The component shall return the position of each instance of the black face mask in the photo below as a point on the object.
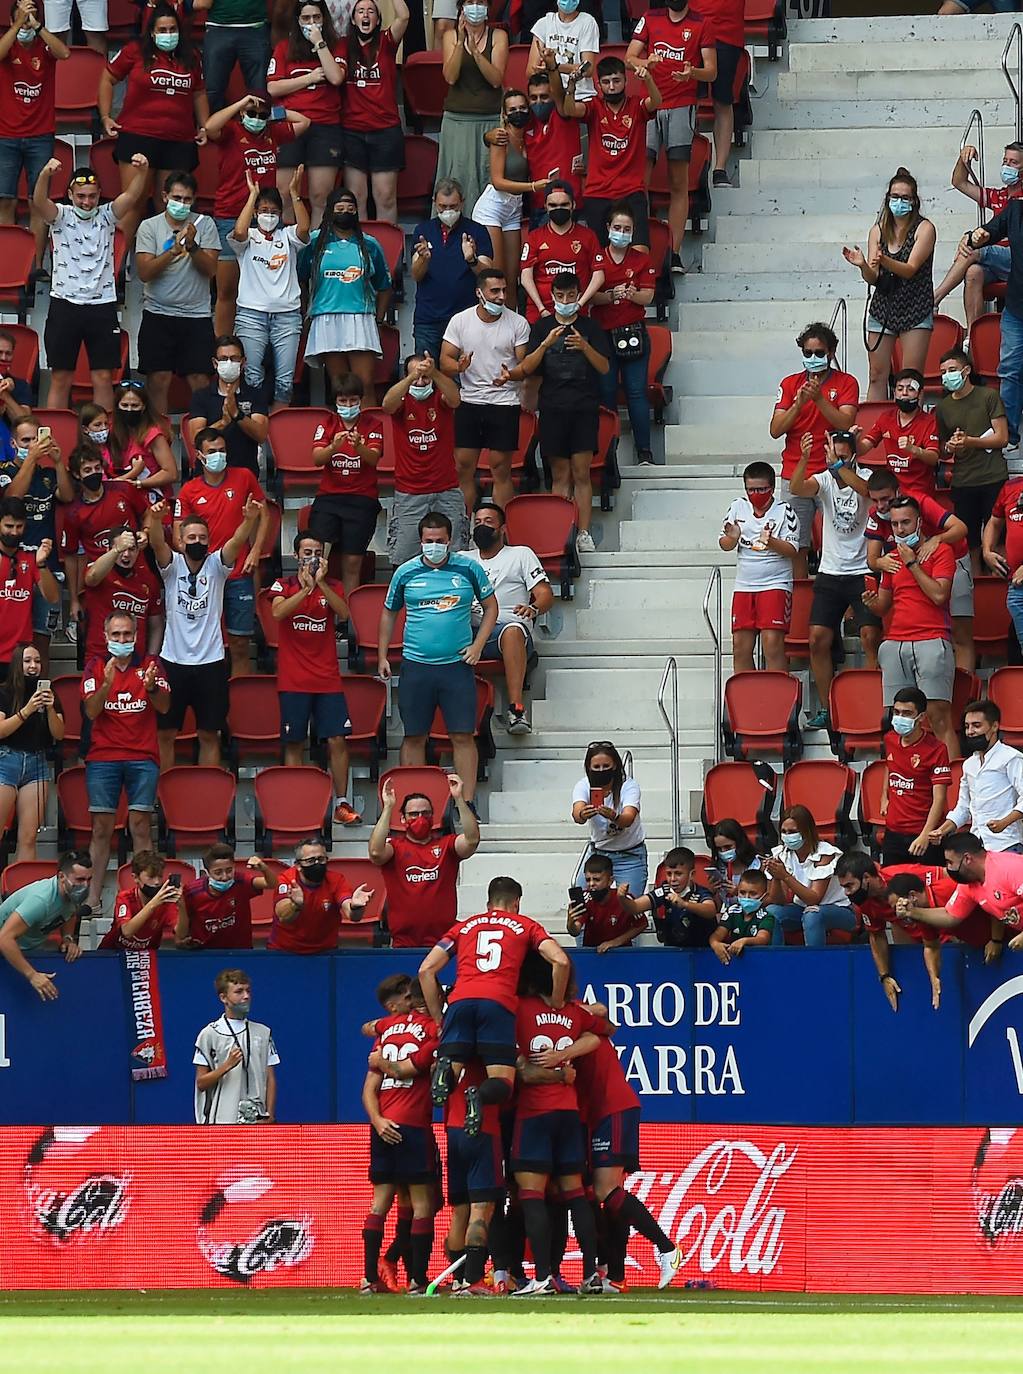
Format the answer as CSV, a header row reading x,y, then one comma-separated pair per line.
x,y
600,777
313,874
975,744
858,897
10,541
616,99
906,406
130,415
196,551
542,109
518,119
599,894
346,219
92,481
957,875
150,892
677,5
561,216
484,537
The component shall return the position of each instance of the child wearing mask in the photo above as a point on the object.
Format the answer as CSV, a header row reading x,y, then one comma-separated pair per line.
x,y
235,1060
601,918
144,911
216,909
744,919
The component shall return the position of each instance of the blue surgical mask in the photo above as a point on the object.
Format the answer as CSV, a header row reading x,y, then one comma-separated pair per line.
x,y
727,856
307,32
99,436
475,14
1010,175
911,540
214,462
899,206
494,308
21,454
815,364
26,36
749,904
421,393
434,552
253,125
952,381
792,841
568,6
222,885
566,309
903,725
619,238
166,42
120,650
177,209
349,412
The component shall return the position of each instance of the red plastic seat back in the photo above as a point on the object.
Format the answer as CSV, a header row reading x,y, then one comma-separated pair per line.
x,y
73,805
367,702
952,796
990,618
293,803
869,807
825,788
759,705
364,607
78,81
966,688
17,255
797,641
196,803
68,693
18,875
385,368
1005,688
391,240
290,435
542,522
660,351
855,709
985,346
734,791
415,182
101,160
26,352
63,427
254,713
432,782
425,89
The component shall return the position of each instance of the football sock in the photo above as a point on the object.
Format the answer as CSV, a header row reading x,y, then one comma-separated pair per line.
x,y
557,1211
630,1209
475,1263
372,1239
538,1229
421,1246
585,1228
399,1246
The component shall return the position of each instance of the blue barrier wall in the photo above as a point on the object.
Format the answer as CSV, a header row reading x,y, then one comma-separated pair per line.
x,y
780,1036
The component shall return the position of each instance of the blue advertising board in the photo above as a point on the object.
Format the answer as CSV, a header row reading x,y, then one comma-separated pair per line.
x,y
780,1036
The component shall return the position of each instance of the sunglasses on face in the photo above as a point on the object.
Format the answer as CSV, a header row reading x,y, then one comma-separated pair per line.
x,y
815,352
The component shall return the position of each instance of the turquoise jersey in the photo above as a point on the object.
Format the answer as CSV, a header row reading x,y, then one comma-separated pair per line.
x,y
437,603
341,284
42,908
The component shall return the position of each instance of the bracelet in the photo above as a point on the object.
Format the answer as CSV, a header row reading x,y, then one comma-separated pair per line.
x,y
319,47
883,976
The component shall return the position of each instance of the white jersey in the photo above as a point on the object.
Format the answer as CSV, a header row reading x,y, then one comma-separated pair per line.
x,y
194,606
760,570
513,572
843,546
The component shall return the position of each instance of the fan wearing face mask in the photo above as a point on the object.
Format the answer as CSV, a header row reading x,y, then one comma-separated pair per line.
x,y
312,902
138,444
146,911
29,916
232,407
347,449
450,249
574,36
908,437
745,921
991,792
607,802
765,532
22,571
557,247
216,910
917,775
122,577
986,880
374,148
475,55
805,894
31,723
99,509
974,429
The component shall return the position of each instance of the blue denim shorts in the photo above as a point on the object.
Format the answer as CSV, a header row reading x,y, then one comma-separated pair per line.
x,y
876,327
16,153
45,615
19,768
996,260
105,781
492,648
224,228
240,607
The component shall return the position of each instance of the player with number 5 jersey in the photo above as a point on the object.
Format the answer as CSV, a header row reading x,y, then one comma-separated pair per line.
x,y
480,1023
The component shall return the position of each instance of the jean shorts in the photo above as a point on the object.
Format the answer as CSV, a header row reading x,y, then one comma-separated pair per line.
x,y
45,614
20,768
492,648
224,228
876,327
240,607
105,781
996,260
16,153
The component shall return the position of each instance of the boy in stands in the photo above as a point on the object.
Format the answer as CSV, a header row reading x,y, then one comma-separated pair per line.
x,y
145,910
600,917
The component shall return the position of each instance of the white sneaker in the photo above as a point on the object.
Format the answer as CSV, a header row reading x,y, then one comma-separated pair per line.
x,y
668,1263
584,542
535,1289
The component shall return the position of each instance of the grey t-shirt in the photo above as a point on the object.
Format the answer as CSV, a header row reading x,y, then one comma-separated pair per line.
x,y
219,1105
180,289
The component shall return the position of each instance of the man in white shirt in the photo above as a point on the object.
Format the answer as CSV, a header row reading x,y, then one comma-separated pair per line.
x,y
575,37
235,1060
766,533
839,584
523,592
193,640
480,346
991,790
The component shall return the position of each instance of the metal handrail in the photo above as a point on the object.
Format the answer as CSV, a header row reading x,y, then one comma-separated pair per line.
x,y
714,626
841,308
1016,87
977,118
671,721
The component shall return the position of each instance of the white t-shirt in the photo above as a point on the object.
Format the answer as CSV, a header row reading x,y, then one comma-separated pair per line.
x,y
492,346
761,570
570,41
843,547
83,256
820,864
601,836
192,634
513,572
269,270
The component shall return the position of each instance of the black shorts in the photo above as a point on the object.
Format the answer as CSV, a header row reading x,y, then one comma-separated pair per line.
x,y
164,154
833,596
564,432
551,1143
493,427
895,850
614,1141
723,86
344,522
375,150
203,686
179,344
973,506
478,1028
475,1167
412,1160
595,212
322,145
425,688
69,326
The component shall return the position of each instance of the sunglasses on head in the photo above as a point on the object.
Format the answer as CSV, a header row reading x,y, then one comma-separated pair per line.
x,y
132,385
84,179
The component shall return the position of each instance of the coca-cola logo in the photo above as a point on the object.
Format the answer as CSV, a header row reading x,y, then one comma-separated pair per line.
x,y
997,1190
98,1204
280,1241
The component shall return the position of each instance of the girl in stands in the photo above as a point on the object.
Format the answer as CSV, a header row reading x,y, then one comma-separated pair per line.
x,y
374,140
165,106
307,70
608,802
30,723
499,208
804,891
899,265
733,854
138,444
475,56
94,433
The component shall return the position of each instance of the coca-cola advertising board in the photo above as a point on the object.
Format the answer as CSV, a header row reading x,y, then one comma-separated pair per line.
x,y
791,1209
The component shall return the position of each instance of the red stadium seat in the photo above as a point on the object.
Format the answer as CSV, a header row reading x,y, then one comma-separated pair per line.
x,y
766,24
547,525
74,822
952,796
196,806
868,810
826,789
207,174
270,557
854,713
366,698
985,345
81,381
392,243
26,354
439,741
263,903
385,368
520,458
990,618
432,782
364,607
63,427
185,870
292,803
68,692
122,20
268,633
947,333
761,715
415,182
25,871
743,793
515,71
17,259
290,436
253,718
362,873
797,641
425,88
966,688
605,460
1005,688
658,394
77,83
101,160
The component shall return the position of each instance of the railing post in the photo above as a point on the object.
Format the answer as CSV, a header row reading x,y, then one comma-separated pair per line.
x,y
977,118
714,626
841,308
670,674
1015,36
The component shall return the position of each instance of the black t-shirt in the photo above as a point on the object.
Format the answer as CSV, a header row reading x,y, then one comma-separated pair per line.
x,y
674,925
1009,225
34,736
242,452
569,382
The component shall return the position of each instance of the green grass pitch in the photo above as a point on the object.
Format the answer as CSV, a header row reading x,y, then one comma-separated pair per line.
x,y
313,1330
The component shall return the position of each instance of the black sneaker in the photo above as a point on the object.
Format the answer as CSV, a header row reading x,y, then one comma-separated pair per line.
x,y
644,458
677,265
721,179
473,1112
442,1080
517,722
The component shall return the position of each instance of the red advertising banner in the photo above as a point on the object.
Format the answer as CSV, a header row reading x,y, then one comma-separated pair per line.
x,y
801,1208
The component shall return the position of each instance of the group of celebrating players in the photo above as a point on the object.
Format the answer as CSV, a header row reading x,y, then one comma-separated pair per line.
x,y
540,1122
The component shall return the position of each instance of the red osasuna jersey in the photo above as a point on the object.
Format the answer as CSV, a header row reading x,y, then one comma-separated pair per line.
x,y
676,42
422,896
158,99
369,97
974,929
839,389
539,1027
409,1035
914,770
636,270
321,104
600,1083
934,516
549,253
346,474
87,524
28,91
125,730
314,929
424,445
726,20
606,920
307,642
488,950
914,615
554,147
126,908
617,163
18,578
242,152
1009,509
914,476
221,505
135,590
221,920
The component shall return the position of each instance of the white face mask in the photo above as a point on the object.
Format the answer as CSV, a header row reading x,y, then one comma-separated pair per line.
x,y
229,369
449,218
268,221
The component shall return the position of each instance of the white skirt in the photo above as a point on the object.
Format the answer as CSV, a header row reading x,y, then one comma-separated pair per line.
x,y
342,333
498,210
